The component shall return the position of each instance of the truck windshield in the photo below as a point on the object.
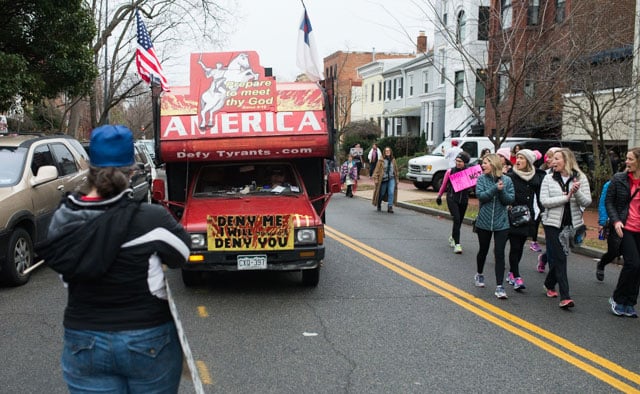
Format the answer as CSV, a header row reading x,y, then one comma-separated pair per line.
x,y
12,160
246,179
441,149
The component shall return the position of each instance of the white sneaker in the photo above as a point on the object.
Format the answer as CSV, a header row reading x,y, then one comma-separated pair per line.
x,y
457,249
500,293
479,280
452,242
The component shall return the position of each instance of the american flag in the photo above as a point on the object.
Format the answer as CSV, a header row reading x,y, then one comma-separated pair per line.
x,y
149,66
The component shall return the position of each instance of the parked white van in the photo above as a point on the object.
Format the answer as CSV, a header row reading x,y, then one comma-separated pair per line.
x,y
428,170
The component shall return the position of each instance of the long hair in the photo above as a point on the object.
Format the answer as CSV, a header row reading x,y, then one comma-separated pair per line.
x,y
570,162
496,164
385,148
108,181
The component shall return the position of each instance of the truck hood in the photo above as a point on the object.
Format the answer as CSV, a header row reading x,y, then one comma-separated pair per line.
x,y
194,218
428,159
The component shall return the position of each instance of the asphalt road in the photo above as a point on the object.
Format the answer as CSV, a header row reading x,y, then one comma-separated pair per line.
x,y
395,312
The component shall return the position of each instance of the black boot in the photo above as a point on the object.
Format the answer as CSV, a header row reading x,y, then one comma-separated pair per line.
x,y
379,208
390,209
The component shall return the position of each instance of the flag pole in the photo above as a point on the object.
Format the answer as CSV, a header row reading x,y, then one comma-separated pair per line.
x,y
156,89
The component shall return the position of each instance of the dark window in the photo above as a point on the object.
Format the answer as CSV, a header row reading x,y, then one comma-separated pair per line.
x,y
64,158
400,86
483,23
388,85
459,89
461,27
533,13
373,88
471,147
506,14
380,91
41,157
481,80
425,76
395,88
560,10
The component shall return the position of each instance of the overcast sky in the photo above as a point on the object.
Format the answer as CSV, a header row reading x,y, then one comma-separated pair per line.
x,y
271,29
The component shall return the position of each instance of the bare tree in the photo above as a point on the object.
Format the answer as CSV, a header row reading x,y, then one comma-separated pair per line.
x,y
601,85
520,65
170,24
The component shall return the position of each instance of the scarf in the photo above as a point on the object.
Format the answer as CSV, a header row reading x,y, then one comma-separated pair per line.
x,y
526,175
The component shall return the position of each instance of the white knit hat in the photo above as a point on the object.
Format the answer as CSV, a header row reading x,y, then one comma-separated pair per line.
x,y
528,155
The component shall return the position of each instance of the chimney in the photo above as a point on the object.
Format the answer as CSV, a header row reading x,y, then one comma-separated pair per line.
x,y
421,47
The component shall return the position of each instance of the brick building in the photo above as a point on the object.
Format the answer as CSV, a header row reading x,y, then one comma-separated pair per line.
x,y
341,76
535,48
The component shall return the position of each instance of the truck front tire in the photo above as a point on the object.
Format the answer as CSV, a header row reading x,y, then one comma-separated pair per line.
x,y
420,185
311,277
437,181
191,278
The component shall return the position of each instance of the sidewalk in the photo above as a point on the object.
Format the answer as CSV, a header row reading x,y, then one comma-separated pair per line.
x,y
407,193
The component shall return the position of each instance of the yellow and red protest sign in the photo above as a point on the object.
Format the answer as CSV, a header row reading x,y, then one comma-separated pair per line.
x,y
250,232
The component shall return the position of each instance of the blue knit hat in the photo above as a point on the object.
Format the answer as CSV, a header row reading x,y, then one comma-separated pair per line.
x,y
111,146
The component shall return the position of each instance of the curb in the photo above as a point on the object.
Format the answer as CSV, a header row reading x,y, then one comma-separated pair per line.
x,y
583,250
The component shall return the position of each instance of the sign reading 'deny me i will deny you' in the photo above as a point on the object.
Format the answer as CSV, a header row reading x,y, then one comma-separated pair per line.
x,y
250,232
466,178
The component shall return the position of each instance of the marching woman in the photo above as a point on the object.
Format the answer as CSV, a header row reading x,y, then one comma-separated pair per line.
x,y
564,194
349,175
119,334
623,208
385,177
456,201
526,183
495,193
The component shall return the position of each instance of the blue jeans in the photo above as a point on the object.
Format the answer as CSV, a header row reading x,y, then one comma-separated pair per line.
x,y
136,361
389,186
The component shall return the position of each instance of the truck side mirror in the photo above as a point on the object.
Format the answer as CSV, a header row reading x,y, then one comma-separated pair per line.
x,y
158,189
334,182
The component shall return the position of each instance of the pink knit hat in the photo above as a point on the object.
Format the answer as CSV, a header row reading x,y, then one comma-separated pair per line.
x,y
538,154
504,152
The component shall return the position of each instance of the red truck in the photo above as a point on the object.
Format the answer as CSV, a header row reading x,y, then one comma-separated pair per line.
x,y
245,167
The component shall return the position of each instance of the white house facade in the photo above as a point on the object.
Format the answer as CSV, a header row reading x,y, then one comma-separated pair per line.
x,y
460,57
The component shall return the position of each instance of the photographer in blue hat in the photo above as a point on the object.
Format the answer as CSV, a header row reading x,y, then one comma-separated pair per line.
x,y
109,250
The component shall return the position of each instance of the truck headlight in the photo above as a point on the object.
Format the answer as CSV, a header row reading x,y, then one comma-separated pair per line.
x,y
198,241
428,167
305,236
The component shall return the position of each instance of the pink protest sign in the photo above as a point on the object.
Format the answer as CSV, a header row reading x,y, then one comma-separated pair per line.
x,y
464,179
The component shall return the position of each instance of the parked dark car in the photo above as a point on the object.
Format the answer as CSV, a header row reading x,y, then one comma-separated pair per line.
x,y
142,173
582,151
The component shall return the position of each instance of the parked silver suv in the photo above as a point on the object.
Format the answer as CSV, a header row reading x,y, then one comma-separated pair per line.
x,y
35,173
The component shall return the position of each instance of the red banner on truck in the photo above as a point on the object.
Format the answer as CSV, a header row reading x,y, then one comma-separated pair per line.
x,y
230,98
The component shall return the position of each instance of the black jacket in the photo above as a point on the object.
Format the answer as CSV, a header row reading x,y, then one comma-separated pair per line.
x,y
110,253
618,198
524,193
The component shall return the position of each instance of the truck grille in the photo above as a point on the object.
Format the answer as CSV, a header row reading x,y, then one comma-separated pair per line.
x,y
414,168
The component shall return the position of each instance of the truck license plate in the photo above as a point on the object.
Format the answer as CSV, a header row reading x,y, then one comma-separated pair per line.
x,y
258,262
419,179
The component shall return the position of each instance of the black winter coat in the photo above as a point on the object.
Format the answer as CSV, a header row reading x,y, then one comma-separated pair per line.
x,y
618,198
110,252
525,192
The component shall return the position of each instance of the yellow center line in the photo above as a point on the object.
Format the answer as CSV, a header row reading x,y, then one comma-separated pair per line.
x,y
202,311
491,313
